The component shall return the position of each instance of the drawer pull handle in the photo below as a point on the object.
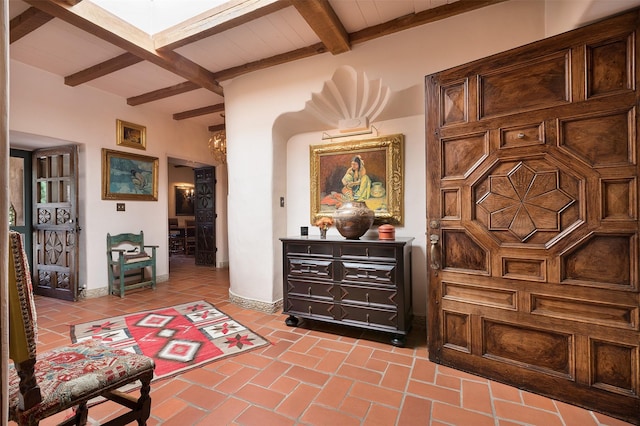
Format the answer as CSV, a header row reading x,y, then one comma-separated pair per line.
x,y
308,249
367,318
309,291
367,297
367,250
309,310
520,135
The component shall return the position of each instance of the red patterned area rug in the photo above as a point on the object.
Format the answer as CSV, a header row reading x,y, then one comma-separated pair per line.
x,y
178,338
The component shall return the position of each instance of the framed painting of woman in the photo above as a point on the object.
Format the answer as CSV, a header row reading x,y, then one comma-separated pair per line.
x,y
369,170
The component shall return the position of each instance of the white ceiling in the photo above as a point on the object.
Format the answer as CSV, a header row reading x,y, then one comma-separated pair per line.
x,y
63,49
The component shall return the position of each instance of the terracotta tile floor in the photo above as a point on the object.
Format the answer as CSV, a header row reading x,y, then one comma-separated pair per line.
x,y
310,375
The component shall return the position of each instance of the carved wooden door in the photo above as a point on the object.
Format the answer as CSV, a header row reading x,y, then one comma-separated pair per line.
x,y
205,212
55,222
532,211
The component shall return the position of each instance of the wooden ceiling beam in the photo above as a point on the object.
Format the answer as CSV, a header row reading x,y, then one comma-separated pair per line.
x,y
216,127
416,19
215,21
325,23
282,58
93,19
166,92
211,109
28,21
102,69
229,73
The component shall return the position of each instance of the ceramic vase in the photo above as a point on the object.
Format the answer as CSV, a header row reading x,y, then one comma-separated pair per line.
x,y
353,219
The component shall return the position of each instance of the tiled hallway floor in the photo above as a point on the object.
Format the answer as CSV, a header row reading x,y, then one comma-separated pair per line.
x,y
309,375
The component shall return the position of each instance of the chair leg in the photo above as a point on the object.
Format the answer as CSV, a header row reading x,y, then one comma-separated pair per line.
x,y
153,276
111,278
82,413
121,281
144,402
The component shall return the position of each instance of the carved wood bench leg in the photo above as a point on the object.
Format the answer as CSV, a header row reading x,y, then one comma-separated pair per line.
x,y
82,413
144,402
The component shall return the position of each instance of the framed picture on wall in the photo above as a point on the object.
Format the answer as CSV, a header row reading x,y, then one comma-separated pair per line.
x,y
127,176
369,170
131,135
184,200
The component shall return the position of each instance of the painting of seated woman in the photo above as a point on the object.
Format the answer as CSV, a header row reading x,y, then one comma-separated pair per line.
x,y
362,170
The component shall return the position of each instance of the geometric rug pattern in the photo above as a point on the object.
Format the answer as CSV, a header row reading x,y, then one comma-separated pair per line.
x,y
178,338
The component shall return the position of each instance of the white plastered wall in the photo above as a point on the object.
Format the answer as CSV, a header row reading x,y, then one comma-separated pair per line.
x,y
269,159
45,112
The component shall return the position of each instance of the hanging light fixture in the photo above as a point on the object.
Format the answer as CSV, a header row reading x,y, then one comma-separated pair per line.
x,y
218,146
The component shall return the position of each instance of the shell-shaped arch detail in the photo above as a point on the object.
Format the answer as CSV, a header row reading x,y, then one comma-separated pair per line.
x,y
348,100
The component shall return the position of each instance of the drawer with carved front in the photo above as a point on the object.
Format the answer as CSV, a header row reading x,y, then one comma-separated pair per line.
x,y
369,316
369,296
310,249
312,289
310,308
370,273
377,252
310,268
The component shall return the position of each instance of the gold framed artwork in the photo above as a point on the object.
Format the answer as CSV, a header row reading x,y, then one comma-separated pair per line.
x,y
127,176
131,135
369,170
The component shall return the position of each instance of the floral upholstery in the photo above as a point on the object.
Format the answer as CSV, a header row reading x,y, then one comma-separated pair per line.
x,y
68,376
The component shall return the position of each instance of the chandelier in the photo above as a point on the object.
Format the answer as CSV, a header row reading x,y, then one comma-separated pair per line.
x,y
218,146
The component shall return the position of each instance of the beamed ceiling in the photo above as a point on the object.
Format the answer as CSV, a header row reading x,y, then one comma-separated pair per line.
x,y
179,69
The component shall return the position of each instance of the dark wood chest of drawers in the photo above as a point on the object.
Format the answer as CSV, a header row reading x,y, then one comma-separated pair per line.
x,y
361,283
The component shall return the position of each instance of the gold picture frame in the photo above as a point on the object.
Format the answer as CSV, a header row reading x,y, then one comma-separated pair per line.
x,y
131,135
127,176
383,188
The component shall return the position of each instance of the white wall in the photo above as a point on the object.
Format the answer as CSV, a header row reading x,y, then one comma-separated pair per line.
x,y
298,208
45,112
258,149
265,160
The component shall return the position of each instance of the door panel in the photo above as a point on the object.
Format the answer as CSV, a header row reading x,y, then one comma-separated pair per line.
x,y
20,195
532,207
205,212
55,222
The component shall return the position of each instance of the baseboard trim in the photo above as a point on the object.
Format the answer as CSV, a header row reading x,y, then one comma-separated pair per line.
x,y
104,291
256,305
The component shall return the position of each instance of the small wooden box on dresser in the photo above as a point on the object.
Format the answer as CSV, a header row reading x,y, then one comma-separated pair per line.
x,y
364,283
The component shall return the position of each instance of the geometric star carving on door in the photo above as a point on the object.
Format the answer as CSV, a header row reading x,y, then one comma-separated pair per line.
x,y
53,248
524,201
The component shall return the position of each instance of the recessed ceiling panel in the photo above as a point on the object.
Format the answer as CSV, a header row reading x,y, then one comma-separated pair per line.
x,y
62,49
280,32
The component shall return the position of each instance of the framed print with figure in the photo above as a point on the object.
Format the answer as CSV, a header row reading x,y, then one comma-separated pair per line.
x,y
127,176
131,135
368,170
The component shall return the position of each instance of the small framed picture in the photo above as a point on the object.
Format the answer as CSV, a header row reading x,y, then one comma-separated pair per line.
x,y
131,135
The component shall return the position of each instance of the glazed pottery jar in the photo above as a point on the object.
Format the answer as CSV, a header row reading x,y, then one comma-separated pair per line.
x,y
353,219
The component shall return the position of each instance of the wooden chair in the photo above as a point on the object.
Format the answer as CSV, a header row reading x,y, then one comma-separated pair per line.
x,y
190,237
48,383
176,237
127,257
